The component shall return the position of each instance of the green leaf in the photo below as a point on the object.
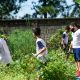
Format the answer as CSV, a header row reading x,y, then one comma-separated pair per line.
x,y
77,1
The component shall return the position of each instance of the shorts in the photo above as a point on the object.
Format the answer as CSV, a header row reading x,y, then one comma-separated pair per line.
x,y
42,59
76,52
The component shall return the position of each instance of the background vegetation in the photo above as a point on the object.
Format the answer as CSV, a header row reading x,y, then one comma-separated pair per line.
x,y
43,8
23,67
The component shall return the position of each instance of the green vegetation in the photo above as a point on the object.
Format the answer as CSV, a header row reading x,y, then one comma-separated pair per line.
x,y
22,45
77,1
7,6
53,8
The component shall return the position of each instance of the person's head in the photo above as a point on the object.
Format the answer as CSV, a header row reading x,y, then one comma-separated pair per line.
x,y
74,27
36,32
67,28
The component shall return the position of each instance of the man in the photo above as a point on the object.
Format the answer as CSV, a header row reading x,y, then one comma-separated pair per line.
x,y
75,45
64,40
5,56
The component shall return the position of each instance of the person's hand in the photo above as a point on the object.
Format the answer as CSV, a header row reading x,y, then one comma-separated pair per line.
x,y
61,43
35,55
63,46
68,52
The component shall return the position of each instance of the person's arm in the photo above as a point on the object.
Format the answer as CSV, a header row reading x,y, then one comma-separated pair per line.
x,y
62,43
62,40
70,48
40,51
41,47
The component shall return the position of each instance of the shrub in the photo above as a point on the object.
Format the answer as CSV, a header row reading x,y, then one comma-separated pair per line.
x,y
21,43
54,41
57,68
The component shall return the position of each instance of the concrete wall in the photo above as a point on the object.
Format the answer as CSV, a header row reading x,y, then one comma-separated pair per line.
x,y
48,26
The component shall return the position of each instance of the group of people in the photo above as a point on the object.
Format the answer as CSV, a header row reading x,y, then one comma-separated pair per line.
x,y
41,49
74,45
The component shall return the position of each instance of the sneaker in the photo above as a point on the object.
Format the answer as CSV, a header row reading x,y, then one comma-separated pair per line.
x,y
77,73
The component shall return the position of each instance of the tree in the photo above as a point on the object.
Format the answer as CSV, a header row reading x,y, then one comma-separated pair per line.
x,y
51,7
77,1
27,16
72,10
76,9
7,6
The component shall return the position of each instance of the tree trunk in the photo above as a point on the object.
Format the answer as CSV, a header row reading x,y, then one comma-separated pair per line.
x,y
45,15
44,4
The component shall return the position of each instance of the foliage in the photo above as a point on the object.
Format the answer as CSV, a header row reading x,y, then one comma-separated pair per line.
x,y
54,41
78,1
58,68
21,43
53,8
50,7
7,6
24,65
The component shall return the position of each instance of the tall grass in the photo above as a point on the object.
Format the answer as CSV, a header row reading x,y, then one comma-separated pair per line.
x,y
21,45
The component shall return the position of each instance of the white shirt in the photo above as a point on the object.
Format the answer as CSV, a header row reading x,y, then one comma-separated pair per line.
x,y
65,39
41,41
5,56
76,39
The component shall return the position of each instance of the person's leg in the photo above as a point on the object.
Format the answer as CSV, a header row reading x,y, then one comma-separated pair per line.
x,y
40,62
77,59
64,48
78,63
67,56
66,52
77,69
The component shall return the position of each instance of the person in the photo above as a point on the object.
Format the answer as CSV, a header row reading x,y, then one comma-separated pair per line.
x,y
64,40
5,57
41,49
72,30
75,45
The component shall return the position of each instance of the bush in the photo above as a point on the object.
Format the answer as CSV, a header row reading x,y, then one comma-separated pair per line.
x,y
57,68
21,43
54,42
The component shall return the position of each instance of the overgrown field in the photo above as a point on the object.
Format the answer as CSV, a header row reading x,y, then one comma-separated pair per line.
x,y
23,67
